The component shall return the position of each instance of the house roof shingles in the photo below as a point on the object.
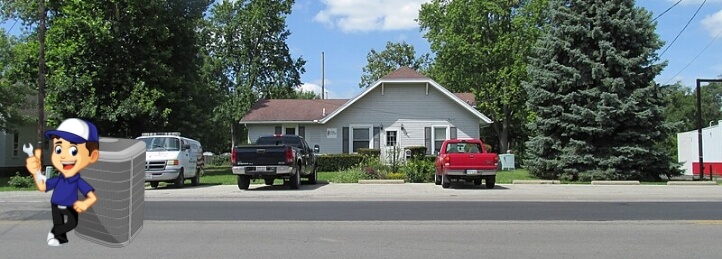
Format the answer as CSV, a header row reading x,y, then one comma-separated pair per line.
x,y
291,109
404,73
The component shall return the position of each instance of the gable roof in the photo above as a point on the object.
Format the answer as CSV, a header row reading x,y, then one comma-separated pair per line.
x,y
291,110
312,111
408,75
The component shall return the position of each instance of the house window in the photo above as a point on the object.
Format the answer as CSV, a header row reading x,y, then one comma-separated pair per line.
x,y
290,131
16,143
360,138
391,137
440,133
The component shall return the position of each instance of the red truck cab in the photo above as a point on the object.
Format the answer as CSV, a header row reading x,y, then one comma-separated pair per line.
x,y
465,160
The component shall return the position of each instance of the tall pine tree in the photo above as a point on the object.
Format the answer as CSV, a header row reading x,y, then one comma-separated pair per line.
x,y
591,88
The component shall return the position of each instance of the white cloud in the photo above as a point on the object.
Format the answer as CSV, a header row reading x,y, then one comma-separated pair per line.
x,y
330,92
370,15
713,23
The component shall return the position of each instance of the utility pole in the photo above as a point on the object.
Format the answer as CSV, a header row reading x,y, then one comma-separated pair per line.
x,y
699,126
41,74
323,87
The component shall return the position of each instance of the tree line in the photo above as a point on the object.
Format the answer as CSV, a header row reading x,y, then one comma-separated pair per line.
x,y
569,95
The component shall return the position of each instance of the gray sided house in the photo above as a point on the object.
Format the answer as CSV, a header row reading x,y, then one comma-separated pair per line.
x,y
402,109
12,157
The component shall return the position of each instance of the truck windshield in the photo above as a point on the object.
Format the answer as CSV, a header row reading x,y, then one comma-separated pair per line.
x,y
161,144
291,141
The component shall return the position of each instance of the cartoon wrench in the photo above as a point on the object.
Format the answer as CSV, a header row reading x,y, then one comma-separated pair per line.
x,y
28,149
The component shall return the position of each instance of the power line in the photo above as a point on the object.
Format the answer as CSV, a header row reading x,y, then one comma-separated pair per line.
x,y
11,27
695,58
685,27
665,11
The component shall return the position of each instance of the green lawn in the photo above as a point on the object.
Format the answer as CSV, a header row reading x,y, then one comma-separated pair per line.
x,y
223,176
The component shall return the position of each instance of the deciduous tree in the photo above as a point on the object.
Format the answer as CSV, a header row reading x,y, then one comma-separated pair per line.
x,y
394,56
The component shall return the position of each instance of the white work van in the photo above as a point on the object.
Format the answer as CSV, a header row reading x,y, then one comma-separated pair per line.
x,y
171,158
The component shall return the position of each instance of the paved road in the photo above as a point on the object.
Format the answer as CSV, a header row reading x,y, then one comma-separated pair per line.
x,y
396,221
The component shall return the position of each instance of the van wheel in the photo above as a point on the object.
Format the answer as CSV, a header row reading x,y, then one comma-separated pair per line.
x,y
178,182
244,182
196,180
154,185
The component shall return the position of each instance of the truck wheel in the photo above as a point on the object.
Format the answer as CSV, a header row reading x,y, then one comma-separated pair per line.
x,y
477,182
445,181
437,179
490,182
154,184
295,180
269,181
196,180
312,176
244,182
178,182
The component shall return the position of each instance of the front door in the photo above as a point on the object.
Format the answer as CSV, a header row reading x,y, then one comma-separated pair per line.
x,y
391,151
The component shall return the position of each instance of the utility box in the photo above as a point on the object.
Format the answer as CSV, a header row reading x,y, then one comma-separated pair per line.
x,y
118,178
507,161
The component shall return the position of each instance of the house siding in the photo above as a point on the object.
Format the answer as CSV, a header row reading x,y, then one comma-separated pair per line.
x,y
27,134
406,104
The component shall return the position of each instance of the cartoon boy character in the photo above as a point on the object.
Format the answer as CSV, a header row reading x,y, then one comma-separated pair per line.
x,y
74,146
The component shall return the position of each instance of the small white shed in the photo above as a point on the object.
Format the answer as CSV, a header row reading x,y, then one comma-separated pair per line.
x,y
688,150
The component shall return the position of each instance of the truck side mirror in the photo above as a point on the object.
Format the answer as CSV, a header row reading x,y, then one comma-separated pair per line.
x,y
316,149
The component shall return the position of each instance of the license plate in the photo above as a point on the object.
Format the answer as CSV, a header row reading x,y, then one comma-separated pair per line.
x,y
148,176
260,168
472,171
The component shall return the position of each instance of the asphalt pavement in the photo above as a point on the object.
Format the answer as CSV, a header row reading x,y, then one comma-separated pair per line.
x,y
395,221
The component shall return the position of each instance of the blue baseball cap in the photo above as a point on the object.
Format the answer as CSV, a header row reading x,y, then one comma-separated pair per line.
x,y
75,130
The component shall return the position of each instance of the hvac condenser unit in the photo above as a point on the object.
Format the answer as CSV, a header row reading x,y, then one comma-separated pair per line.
x,y
118,178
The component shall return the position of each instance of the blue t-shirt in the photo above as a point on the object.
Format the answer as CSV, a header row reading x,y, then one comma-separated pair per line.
x,y
66,189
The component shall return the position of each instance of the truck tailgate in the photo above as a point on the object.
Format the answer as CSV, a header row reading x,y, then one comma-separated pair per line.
x,y
480,161
260,155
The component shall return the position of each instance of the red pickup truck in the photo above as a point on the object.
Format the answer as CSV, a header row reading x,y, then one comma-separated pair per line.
x,y
467,160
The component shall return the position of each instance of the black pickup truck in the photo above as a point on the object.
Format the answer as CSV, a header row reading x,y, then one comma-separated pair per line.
x,y
272,157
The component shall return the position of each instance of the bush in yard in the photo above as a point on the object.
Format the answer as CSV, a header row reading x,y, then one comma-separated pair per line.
x,y
417,151
396,176
20,181
374,167
418,171
337,162
369,152
218,160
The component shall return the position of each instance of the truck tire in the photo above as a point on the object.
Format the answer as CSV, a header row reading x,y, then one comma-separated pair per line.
x,y
445,181
268,181
490,182
312,177
437,179
178,182
196,180
477,182
244,182
295,181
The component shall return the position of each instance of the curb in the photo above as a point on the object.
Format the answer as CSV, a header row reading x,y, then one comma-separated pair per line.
x,y
380,181
615,182
692,183
536,182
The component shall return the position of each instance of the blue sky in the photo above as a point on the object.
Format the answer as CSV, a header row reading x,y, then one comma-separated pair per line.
x,y
347,30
